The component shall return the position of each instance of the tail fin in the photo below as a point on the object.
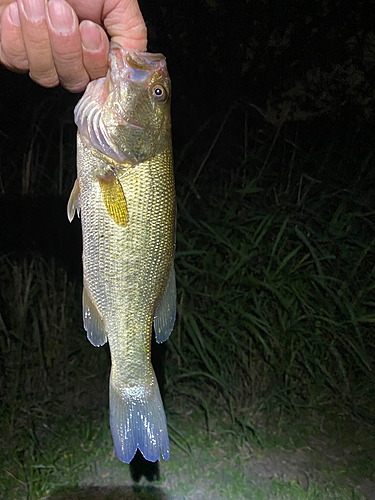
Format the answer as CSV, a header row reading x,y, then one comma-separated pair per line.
x,y
138,421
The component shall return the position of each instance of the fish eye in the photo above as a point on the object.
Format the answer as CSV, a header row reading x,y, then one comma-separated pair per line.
x,y
159,92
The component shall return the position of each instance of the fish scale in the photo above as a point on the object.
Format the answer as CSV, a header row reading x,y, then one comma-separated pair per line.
x,y
127,208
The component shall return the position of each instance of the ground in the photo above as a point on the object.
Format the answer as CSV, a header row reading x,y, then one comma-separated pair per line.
x,y
327,459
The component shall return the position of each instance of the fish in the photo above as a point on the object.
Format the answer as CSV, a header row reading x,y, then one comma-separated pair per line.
x,y
125,196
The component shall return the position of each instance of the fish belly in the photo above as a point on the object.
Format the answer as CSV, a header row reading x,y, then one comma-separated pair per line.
x,y
126,272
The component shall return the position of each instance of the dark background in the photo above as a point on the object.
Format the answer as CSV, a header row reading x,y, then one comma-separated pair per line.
x,y
310,63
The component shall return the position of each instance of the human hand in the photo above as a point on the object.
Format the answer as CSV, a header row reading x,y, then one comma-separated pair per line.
x,y
63,41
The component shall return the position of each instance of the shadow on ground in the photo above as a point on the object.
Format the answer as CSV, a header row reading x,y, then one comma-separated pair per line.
x,y
110,493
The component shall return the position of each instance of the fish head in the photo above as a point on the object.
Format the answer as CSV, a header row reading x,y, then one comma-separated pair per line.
x,y
126,115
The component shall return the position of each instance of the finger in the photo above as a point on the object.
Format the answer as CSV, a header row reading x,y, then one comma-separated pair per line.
x,y
121,18
36,39
3,5
12,49
95,46
65,40
124,22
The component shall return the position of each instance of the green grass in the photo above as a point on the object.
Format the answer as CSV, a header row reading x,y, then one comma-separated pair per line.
x,y
277,303
69,459
275,326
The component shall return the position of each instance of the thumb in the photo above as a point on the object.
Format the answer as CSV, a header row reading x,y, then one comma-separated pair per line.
x,y
124,23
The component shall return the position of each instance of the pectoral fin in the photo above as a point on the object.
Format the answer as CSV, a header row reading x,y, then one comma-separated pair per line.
x,y
92,321
114,198
165,313
74,202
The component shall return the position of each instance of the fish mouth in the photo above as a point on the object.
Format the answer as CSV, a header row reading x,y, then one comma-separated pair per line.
x,y
132,65
134,58
136,61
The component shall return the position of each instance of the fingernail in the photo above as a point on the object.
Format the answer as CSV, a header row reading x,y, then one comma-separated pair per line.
x,y
90,35
34,10
14,14
61,16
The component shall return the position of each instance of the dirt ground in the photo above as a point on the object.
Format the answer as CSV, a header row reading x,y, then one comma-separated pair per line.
x,y
308,456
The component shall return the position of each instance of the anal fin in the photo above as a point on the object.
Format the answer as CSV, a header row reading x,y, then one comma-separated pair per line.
x,y
92,321
165,313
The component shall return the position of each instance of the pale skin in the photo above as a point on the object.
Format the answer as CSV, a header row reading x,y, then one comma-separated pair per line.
x,y
65,41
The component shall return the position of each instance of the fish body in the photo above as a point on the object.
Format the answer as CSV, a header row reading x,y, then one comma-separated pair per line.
x,y
125,196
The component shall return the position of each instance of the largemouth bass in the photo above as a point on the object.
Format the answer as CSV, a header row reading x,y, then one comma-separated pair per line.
x,y
125,196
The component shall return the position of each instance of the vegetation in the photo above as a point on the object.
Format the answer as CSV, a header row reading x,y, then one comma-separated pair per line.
x,y
277,291
275,267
